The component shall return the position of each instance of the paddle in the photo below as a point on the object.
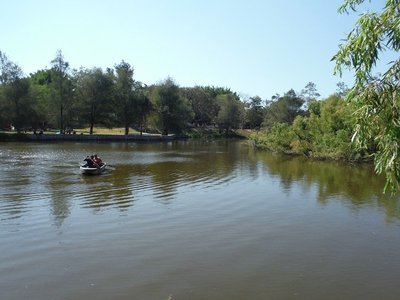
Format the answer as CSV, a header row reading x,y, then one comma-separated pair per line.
x,y
110,167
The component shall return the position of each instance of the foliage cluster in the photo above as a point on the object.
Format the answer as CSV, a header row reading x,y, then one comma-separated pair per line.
x,y
323,131
375,95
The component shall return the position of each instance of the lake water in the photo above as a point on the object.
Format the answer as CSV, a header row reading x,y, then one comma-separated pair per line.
x,y
192,220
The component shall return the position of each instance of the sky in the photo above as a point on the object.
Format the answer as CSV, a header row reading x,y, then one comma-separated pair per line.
x,y
254,47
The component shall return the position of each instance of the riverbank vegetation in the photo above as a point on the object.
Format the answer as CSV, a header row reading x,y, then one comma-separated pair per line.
x,y
322,131
65,100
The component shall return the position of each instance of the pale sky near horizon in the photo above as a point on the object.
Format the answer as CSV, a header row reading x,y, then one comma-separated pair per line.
x,y
253,47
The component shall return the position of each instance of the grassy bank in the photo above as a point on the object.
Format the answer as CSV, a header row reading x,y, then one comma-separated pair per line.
x,y
118,134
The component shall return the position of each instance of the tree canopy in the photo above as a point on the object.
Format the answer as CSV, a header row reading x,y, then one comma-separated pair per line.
x,y
284,109
173,110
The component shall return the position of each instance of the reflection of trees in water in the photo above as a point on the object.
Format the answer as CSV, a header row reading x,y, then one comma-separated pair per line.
x,y
60,209
13,193
171,166
107,190
165,178
96,192
15,177
59,204
187,163
357,185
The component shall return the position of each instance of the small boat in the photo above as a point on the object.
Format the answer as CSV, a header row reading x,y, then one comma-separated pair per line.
x,y
92,171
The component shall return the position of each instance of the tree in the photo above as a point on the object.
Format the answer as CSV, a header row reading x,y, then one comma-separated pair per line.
x,y
9,70
20,111
95,90
215,91
143,106
376,97
284,109
17,107
42,92
124,94
172,108
62,88
5,69
230,112
310,92
203,103
342,89
254,113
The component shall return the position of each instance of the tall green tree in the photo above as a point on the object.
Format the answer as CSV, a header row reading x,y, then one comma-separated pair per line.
x,y
16,104
42,93
284,109
230,112
95,92
203,103
143,106
19,109
62,87
125,94
376,96
9,70
173,110
254,113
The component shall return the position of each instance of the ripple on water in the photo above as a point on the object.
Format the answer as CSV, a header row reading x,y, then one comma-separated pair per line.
x,y
121,197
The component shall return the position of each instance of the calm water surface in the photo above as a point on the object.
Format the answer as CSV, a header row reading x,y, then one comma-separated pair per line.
x,y
192,220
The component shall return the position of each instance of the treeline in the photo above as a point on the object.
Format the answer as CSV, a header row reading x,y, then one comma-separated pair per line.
x,y
63,98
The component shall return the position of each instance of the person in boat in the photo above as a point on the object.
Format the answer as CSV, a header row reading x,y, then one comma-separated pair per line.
x,y
89,162
95,164
97,160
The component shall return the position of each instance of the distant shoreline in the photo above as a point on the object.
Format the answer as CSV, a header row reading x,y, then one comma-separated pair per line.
x,y
28,137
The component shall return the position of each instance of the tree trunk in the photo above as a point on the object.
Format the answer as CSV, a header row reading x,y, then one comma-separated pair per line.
x,y
61,119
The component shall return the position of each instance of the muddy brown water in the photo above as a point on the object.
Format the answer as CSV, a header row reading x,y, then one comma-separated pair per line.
x,y
192,220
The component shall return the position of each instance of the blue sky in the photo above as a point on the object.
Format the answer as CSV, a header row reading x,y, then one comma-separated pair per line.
x,y
253,47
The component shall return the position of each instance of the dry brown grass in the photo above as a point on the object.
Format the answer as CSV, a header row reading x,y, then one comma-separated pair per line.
x,y
102,130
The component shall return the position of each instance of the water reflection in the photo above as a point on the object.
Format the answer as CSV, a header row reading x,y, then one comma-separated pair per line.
x,y
356,185
191,217
57,183
111,189
161,172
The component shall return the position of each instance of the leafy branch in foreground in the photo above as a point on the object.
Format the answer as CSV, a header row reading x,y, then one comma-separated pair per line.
x,y
376,98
